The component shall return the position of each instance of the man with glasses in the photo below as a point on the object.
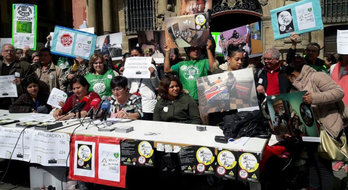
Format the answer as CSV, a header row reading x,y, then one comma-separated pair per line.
x,y
271,78
11,66
311,54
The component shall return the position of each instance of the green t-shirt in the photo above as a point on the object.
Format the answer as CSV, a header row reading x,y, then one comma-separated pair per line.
x,y
188,71
100,84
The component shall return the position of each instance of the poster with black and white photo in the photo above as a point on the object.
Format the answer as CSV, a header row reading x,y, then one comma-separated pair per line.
x,y
285,22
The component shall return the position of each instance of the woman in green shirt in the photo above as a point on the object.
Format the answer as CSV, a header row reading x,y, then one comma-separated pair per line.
x,y
100,76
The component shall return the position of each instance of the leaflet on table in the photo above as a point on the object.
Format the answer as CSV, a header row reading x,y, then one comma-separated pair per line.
x,y
137,67
24,23
109,162
36,117
7,87
50,149
342,42
8,140
4,41
56,96
72,43
84,158
300,17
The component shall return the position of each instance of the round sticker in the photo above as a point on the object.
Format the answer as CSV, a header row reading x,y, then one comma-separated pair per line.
x,y
84,153
226,159
205,156
200,20
248,162
198,27
80,162
51,77
284,18
200,167
141,160
220,170
145,149
243,174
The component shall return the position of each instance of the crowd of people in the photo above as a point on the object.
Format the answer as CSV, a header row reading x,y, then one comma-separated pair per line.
x,y
174,97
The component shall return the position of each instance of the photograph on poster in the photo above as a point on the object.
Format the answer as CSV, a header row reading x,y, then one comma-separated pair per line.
x,y
195,6
110,44
285,22
246,37
186,31
226,91
152,42
290,115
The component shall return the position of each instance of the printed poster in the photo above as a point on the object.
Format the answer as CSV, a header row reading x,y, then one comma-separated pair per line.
x,y
24,24
290,115
109,162
137,153
110,44
137,67
188,30
152,43
249,167
72,43
300,17
226,164
84,164
227,91
15,137
50,149
342,42
195,6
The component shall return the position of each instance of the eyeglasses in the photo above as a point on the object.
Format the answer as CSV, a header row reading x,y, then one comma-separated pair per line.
x,y
9,50
117,89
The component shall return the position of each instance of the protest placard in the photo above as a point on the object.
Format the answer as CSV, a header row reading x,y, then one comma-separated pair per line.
x,y
24,24
300,17
72,43
195,6
151,43
110,44
7,87
342,42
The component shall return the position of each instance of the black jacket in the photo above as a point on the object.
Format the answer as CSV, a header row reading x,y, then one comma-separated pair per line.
x,y
319,64
25,104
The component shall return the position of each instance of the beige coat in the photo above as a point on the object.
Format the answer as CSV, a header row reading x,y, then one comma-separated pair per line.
x,y
325,93
52,77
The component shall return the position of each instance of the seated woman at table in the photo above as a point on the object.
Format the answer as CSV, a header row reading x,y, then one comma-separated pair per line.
x,y
174,104
124,104
34,100
100,76
80,88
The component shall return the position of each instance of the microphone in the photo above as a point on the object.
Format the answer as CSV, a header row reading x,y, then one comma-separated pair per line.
x,y
99,107
94,104
80,106
105,107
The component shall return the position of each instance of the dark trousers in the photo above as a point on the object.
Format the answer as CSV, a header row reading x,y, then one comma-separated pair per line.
x,y
147,116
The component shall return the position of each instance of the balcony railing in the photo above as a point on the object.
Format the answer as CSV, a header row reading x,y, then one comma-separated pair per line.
x,y
335,11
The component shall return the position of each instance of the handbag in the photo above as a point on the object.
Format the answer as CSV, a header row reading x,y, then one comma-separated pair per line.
x,y
331,149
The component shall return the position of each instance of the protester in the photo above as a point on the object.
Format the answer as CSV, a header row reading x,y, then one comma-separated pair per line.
x,y
124,104
323,93
174,105
311,54
36,61
80,88
146,87
100,76
329,59
79,68
189,70
10,66
49,72
34,100
234,60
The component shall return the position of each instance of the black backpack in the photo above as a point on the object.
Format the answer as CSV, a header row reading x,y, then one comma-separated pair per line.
x,y
246,124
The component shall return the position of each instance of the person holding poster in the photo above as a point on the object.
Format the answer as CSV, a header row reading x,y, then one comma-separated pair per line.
x,y
189,70
10,66
311,54
324,94
34,100
100,76
146,87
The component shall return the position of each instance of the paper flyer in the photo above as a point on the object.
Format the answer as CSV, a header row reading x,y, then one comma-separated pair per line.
x,y
137,67
56,96
7,87
342,42
109,162
24,24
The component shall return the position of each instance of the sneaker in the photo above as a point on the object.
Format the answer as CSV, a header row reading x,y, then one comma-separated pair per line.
x,y
337,166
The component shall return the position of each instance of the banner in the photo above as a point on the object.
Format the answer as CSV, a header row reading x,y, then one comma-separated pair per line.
x,y
301,17
24,24
97,160
110,44
72,43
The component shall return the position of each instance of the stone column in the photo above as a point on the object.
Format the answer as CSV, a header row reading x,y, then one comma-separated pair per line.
x,y
107,17
92,14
